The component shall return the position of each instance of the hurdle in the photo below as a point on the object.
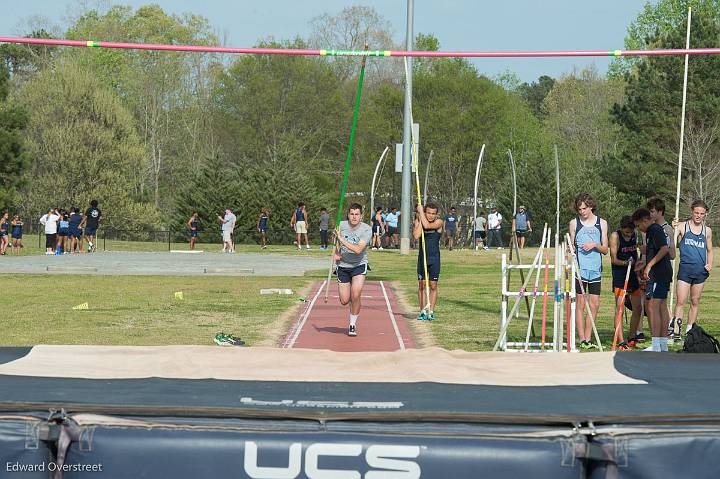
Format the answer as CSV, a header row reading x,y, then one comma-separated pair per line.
x,y
563,299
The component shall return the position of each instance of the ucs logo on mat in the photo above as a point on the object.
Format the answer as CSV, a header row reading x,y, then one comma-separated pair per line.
x,y
380,462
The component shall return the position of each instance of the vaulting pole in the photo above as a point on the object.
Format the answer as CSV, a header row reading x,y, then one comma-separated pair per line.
x,y
345,175
475,195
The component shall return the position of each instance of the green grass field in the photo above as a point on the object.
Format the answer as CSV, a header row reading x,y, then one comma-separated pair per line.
x,y
142,310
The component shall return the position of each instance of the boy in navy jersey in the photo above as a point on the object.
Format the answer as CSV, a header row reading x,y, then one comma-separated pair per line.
x,y
427,221
451,221
623,250
696,260
658,271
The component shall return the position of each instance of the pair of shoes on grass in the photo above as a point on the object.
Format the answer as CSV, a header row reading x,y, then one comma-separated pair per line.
x,y
222,339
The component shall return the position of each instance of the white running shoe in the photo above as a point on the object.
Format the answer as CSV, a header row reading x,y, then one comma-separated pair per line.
x,y
352,331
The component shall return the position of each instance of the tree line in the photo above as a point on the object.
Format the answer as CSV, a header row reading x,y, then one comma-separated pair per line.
x,y
155,136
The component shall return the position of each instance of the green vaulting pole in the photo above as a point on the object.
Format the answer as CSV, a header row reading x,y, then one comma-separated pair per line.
x,y
347,169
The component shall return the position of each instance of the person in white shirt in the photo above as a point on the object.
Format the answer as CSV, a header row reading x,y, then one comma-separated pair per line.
x,y
228,225
495,220
50,221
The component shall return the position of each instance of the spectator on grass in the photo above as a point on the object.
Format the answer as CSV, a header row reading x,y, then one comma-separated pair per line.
x,y
228,224
76,243
324,225
521,226
262,226
193,225
4,225
17,234
298,221
90,223
63,232
451,221
480,230
49,220
495,220
392,225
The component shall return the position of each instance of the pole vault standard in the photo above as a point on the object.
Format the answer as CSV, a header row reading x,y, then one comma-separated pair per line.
x,y
475,195
372,187
427,174
359,53
680,161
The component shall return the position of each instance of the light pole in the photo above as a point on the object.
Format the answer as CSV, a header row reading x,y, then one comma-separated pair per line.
x,y
405,208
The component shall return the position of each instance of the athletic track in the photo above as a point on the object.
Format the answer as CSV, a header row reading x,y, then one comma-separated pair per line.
x,y
380,326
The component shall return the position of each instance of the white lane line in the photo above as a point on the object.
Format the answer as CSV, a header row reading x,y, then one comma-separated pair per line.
x,y
299,327
392,318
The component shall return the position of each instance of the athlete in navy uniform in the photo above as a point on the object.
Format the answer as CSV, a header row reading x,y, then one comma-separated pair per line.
x,y
17,234
451,221
658,272
90,223
262,226
623,250
75,231
194,225
63,233
4,225
696,260
427,221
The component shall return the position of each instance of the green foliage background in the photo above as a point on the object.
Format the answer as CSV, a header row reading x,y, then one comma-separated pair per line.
x,y
156,135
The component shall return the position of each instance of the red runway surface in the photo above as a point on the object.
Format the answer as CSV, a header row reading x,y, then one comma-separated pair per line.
x,y
380,326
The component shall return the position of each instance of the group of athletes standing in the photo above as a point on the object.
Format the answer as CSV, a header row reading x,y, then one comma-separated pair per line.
x,y
651,272
65,230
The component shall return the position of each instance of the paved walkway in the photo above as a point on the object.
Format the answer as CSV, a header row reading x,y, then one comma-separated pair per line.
x,y
380,327
174,264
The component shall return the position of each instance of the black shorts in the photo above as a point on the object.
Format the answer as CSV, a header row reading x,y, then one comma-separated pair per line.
x,y
392,230
479,234
377,229
90,230
657,290
521,233
590,287
692,276
619,281
345,275
450,231
50,240
433,270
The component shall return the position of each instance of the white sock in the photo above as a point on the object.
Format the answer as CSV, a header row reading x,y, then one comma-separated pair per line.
x,y
664,345
688,327
353,319
656,344
431,312
639,331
